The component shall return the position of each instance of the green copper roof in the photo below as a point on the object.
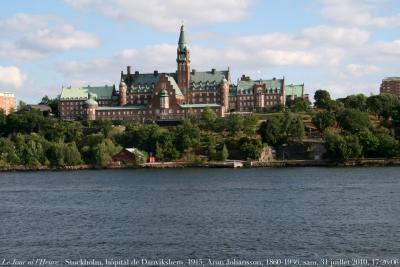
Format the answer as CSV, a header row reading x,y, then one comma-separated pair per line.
x,y
142,82
207,80
182,39
294,90
81,93
174,85
246,87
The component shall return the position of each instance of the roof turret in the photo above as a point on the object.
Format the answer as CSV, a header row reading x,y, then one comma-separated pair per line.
x,y
91,101
122,83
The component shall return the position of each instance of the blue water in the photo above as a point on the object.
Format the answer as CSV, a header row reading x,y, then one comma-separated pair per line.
x,y
306,213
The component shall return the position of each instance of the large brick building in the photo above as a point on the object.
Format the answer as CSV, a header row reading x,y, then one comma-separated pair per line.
x,y
390,85
172,96
7,102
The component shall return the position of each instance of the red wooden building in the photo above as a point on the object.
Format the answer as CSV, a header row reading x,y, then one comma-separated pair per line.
x,y
127,156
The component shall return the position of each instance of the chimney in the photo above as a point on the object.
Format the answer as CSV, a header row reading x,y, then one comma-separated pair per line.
x,y
155,72
193,71
136,73
245,78
213,71
128,70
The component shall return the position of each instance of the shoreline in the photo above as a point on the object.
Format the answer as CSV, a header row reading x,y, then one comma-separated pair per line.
x,y
227,164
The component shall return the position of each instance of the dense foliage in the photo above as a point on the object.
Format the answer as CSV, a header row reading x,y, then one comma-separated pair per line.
x,y
359,126
353,127
29,138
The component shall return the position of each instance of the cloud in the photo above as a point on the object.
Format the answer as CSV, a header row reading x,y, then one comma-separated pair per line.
x,y
11,76
359,13
167,15
148,58
361,70
336,35
24,21
11,50
391,48
274,40
61,38
34,37
242,53
309,47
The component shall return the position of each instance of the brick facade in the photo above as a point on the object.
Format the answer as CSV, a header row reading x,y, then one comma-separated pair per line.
x,y
7,102
390,85
171,96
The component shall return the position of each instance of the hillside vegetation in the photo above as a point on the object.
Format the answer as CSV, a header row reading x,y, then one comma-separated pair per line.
x,y
353,127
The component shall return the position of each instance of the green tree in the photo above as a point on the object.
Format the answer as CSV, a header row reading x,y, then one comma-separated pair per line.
x,y
296,129
3,123
277,107
299,104
21,105
209,145
369,142
234,123
8,155
143,137
32,153
212,152
250,124
167,140
72,156
324,119
273,131
187,136
356,102
223,154
383,105
353,120
322,99
104,151
250,148
159,152
388,146
207,119
341,148
55,154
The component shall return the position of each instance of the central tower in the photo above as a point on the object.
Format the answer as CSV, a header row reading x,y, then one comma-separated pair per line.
x,y
183,60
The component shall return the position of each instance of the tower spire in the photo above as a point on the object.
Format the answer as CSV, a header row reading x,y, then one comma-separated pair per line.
x,y
183,60
182,38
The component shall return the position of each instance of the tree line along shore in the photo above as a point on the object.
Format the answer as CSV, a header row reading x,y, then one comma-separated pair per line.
x,y
354,131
